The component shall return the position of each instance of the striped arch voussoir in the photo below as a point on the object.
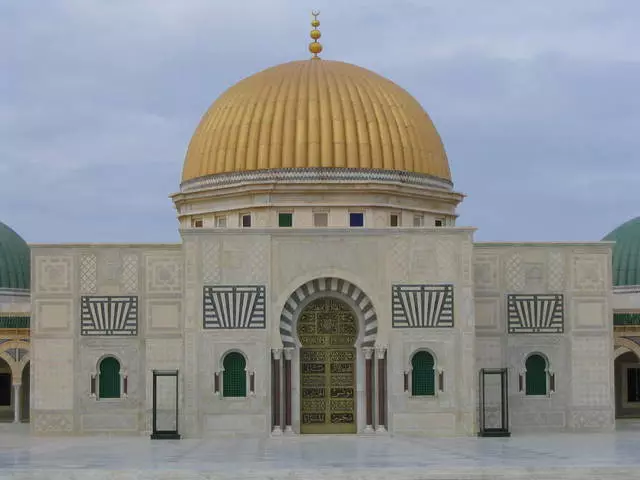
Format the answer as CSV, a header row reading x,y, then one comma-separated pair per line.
x,y
334,285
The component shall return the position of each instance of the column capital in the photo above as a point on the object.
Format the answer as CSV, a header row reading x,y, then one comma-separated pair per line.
x,y
288,353
276,353
380,351
368,352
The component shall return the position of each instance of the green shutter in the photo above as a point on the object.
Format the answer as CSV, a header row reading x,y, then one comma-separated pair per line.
x,y
285,220
422,374
234,378
109,378
536,376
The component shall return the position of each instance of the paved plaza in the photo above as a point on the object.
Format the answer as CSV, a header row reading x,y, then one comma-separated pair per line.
x,y
561,455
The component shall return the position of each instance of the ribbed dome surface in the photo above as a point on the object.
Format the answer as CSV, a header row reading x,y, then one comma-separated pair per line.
x,y
315,113
626,253
15,260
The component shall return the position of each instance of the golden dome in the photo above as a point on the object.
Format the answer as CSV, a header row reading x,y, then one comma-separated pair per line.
x,y
315,113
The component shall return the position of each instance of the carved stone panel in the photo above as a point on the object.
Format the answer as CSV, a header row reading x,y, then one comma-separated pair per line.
x,y
534,277
590,313
52,422
535,313
555,272
164,274
485,272
211,271
488,313
54,274
163,314
422,306
514,273
53,316
588,273
129,275
110,267
234,306
109,316
88,273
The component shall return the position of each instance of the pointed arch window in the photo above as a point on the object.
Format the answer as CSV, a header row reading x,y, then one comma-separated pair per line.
x,y
536,375
109,378
423,374
234,377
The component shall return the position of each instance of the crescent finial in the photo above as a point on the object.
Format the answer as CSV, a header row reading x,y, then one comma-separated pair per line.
x,y
315,47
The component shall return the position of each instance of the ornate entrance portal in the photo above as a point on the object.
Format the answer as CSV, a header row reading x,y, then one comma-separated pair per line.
x,y
327,329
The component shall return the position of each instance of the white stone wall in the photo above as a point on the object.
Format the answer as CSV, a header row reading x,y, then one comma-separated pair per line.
x,y
581,356
626,298
64,360
14,301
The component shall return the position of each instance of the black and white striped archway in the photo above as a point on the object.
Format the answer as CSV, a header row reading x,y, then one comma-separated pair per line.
x,y
336,286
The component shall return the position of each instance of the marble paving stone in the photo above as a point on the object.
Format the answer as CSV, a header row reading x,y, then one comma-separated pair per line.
x,y
540,456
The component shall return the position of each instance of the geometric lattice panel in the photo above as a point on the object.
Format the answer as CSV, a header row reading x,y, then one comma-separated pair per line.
x,y
535,313
422,306
234,306
117,316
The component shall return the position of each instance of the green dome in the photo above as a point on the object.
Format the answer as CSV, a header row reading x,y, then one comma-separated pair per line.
x,y
626,253
15,260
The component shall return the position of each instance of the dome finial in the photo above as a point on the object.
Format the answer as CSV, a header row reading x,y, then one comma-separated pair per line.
x,y
315,47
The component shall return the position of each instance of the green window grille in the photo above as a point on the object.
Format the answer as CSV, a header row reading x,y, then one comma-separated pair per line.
x,y
109,378
536,375
422,374
234,377
285,220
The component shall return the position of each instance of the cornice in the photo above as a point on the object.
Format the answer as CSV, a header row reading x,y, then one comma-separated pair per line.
x,y
323,231
604,245
106,245
321,175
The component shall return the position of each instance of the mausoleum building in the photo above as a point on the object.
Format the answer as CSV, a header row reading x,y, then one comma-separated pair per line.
x,y
322,285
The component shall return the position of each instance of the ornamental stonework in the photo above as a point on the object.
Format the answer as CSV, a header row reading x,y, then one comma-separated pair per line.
x,y
422,306
514,273
88,273
129,274
54,274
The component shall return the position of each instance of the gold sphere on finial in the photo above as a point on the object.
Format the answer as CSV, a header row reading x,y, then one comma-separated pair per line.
x,y
315,47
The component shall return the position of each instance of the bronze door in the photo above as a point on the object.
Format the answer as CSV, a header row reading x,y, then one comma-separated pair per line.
x,y
327,329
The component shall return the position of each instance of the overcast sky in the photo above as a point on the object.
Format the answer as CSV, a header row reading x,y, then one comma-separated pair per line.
x,y
537,103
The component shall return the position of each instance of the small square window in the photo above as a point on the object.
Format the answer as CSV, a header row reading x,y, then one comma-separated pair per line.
x,y
320,219
246,219
197,222
418,220
285,219
356,219
221,221
439,222
394,220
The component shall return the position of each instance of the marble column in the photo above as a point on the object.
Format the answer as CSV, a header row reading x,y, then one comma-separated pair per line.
x,y
381,351
276,428
288,355
17,404
368,360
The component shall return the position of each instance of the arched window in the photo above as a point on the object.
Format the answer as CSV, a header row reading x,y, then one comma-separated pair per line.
x,y
234,377
109,378
422,374
536,375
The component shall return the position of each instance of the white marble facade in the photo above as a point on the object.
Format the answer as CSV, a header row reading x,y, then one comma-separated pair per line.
x,y
167,331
